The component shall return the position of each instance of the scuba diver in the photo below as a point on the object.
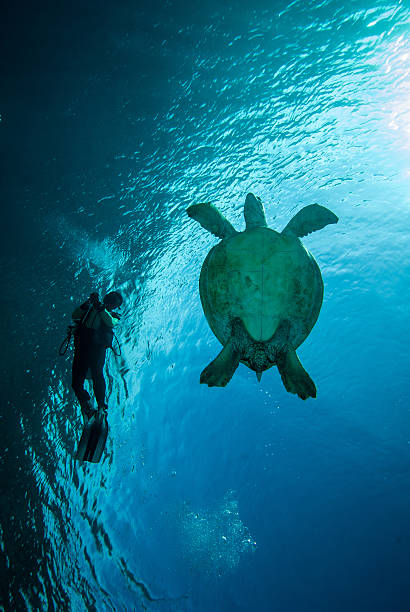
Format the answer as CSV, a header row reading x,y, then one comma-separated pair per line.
x,y
93,334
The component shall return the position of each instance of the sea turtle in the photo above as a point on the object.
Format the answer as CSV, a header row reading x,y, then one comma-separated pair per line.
x,y
261,292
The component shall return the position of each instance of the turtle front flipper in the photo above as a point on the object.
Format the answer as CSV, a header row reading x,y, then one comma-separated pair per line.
x,y
294,376
212,220
254,212
310,219
220,371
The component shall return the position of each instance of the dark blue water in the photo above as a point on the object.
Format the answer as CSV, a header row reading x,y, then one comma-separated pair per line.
x,y
115,117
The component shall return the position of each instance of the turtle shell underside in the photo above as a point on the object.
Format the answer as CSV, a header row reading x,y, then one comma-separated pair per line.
x,y
263,278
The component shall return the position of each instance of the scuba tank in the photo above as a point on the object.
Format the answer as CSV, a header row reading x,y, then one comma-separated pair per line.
x,y
105,335
71,329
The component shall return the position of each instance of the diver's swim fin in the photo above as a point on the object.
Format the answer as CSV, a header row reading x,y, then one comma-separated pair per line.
x,y
93,439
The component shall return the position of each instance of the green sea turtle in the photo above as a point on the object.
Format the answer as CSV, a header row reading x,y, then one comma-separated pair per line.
x,y
261,292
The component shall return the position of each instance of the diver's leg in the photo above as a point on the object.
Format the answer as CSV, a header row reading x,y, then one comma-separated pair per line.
x,y
97,373
79,371
220,371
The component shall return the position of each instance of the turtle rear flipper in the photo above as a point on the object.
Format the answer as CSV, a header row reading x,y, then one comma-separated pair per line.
x,y
310,219
220,371
294,376
212,220
254,212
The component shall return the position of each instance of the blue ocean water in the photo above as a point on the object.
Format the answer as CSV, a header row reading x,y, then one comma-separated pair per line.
x,y
116,117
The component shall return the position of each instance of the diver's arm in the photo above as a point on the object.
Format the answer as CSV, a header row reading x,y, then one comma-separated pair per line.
x,y
110,319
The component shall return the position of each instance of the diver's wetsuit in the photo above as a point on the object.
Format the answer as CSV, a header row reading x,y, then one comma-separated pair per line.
x,y
90,345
